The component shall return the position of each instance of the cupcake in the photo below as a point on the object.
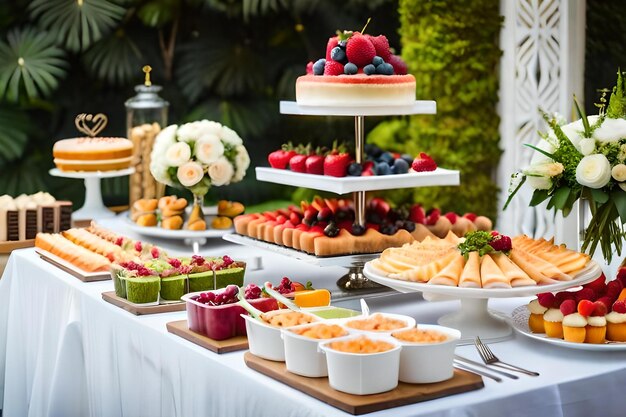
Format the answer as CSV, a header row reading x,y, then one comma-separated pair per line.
x,y
616,322
553,323
574,323
595,330
535,320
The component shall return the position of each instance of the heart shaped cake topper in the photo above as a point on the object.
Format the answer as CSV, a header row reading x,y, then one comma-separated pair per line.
x,y
91,125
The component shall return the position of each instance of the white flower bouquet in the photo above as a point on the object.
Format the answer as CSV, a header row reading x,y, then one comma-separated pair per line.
x,y
199,155
585,159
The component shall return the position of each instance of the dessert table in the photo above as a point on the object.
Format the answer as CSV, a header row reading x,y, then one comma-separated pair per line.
x,y
66,352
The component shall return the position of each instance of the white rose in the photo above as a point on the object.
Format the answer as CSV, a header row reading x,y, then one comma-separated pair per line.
x,y
177,154
619,172
242,162
221,171
544,145
593,171
189,131
208,148
190,173
164,140
207,126
229,136
159,172
551,169
587,146
611,130
539,183
575,130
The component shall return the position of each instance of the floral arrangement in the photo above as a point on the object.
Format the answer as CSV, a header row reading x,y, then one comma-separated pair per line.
x,y
198,155
585,159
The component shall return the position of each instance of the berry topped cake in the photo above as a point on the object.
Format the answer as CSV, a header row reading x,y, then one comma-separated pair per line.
x,y
358,70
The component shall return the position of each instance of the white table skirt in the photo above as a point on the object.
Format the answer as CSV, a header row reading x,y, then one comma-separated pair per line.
x,y
66,352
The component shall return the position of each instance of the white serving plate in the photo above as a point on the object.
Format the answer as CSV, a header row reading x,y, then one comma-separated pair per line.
x,y
71,268
519,322
55,172
344,185
590,272
418,107
156,231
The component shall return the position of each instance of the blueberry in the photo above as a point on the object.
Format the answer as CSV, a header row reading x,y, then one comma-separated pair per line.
x,y
318,67
350,68
408,225
377,60
383,169
355,169
408,158
388,229
368,148
401,166
369,69
358,230
331,230
342,44
338,54
387,157
373,217
375,151
384,69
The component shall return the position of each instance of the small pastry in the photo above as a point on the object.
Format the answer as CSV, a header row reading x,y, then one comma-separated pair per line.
x,y
595,330
483,223
229,208
616,322
574,323
553,323
172,223
535,320
221,222
146,220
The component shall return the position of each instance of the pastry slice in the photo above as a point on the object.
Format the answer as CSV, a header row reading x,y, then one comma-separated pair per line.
x,y
532,264
516,276
470,277
451,274
426,272
491,276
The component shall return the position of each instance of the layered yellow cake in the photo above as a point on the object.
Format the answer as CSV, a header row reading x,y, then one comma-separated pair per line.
x,y
92,154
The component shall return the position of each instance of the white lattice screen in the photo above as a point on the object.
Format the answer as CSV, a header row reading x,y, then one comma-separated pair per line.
x,y
543,43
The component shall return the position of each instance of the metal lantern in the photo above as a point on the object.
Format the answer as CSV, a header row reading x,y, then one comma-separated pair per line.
x,y
146,115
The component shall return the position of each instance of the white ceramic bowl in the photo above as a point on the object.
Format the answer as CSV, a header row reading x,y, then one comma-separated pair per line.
x,y
410,323
422,363
363,374
264,340
302,356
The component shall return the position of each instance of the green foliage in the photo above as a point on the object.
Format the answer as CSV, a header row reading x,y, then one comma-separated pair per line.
x,y
451,48
114,59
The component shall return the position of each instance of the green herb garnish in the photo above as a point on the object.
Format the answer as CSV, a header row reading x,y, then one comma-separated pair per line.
x,y
476,242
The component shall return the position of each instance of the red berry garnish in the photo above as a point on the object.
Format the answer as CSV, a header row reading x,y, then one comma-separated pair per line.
x,y
559,297
333,68
586,294
174,262
546,299
613,288
451,216
399,66
417,214
600,309
381,45
309,68
154,252
494,233
138,246
620,306
586,307
332,42
501,243
470,216
119,241
621,275
423,163
607,301
433,216
359,50
598,285
568,307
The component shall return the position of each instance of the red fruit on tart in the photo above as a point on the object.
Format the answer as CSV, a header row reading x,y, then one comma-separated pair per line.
x,y
399,66
585,294
501,243
470,216
433,216
332,43
309,68
451,216
561,296
568,307
417,214
423,163
613,288
586,307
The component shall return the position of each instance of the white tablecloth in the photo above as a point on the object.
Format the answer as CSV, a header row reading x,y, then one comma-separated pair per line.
x,y
66,352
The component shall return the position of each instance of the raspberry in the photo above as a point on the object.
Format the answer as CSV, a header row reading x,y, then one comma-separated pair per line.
x,y
619,306
138,246
613,288
598,284
417,214
568,307
119,241
451,216
332,42
607,301
360,50
585,294
470,216
494,233
586,307
600,308
174,262
309,68
621,275
333,68
559,297
501,243
381,45
423,163
546,299
154,252
433,216
399,66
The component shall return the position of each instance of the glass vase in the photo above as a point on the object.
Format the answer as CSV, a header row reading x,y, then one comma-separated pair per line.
x,y
196,219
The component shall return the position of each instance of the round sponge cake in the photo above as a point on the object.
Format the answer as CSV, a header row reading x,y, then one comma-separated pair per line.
x,y
92,154
357,90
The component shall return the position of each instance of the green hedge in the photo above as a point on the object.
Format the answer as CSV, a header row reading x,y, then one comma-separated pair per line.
x,y
451,47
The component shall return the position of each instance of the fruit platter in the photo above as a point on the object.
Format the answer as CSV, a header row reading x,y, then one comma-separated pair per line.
x,y
478,267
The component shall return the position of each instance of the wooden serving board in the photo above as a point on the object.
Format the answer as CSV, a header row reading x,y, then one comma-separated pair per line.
x,y
180,328
9,246
403,394
62,264
139,310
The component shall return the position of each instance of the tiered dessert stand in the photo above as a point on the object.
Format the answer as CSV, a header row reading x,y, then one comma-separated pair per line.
x,y
357,185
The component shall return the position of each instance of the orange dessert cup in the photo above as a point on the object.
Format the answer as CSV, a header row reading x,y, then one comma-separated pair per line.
x,y
553,323
595,330
616,326
574,328
535,320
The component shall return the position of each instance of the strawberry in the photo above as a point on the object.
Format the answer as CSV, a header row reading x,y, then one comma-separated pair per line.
x,y
360,50
399,66
451,216
417,214
295,218
600,308
501,243
586,307
309,68
280,158
298,163
281,219
433,216
381,44
332,42
598,285
470,216
568,307
336,163
423,163
333,68
315,165
619,306
546,299
585,294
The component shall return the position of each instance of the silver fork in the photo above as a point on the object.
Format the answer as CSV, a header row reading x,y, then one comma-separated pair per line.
x,y
490,359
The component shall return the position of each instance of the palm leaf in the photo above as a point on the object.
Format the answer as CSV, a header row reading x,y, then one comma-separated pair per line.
x,y
115,59
23,176
14,130
77,23
157,13
29,60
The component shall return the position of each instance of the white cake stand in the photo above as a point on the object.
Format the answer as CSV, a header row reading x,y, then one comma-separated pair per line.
x,y
94,207
474,318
